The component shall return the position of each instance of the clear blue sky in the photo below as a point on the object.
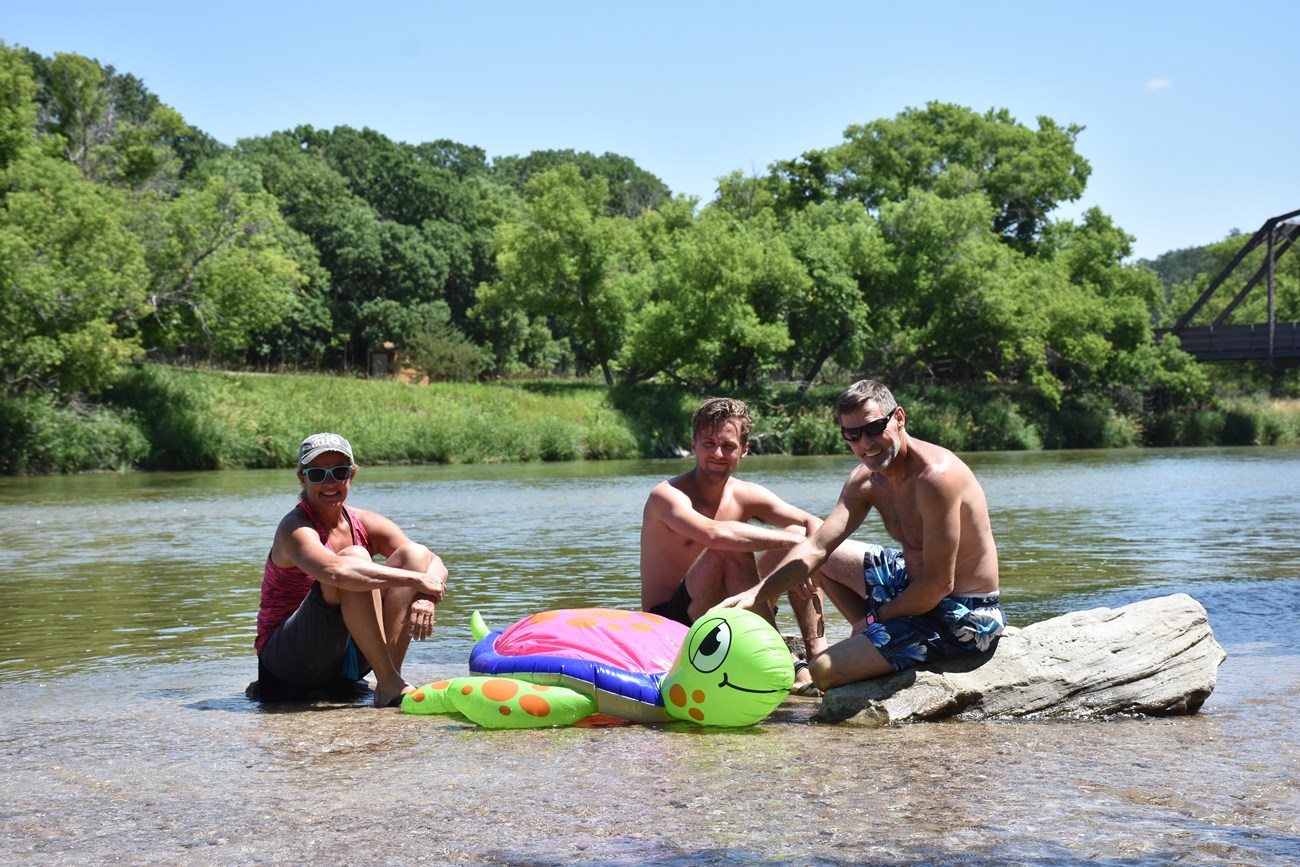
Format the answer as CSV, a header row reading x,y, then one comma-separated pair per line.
x,y
1190,107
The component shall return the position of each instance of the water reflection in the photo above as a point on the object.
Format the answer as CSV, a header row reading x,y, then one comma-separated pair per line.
x,y
161,566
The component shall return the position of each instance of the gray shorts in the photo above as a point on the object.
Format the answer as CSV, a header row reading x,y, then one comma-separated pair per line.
x,y
313,647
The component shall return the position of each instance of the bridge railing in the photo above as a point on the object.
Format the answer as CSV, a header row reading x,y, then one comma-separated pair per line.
x,y
1273,341
1239,342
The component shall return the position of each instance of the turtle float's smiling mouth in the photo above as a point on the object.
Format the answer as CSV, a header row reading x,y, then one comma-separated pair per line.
x,y
729,685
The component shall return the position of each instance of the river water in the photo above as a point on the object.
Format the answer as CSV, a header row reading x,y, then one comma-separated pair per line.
x,y
127,606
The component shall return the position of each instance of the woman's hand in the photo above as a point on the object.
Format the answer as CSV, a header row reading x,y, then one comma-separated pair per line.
x,y
419,619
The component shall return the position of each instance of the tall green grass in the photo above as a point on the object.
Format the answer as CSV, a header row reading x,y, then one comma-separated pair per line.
x,y
40,436
170,418
1237,422
212,420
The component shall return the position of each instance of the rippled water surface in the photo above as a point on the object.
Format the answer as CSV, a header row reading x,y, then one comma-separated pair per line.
x,y
127,608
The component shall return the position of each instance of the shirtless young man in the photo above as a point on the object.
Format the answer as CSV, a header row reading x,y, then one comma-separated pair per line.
x,y
329,613
936,596
698,545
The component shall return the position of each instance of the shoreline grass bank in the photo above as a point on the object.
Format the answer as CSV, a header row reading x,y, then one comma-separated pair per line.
x,y
168,418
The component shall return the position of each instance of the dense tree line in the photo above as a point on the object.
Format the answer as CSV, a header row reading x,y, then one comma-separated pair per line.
x,y
920,248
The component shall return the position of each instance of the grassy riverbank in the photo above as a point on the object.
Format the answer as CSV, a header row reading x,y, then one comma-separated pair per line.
x,y
168,418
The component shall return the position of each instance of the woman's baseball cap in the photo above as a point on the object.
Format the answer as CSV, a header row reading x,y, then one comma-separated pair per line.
x,y
318,444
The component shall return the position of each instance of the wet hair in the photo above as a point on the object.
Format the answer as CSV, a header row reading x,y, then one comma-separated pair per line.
x,y
717,411
861,393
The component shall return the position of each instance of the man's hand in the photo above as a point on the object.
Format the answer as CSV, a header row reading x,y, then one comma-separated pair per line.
x,y
747,600
419,620
805,590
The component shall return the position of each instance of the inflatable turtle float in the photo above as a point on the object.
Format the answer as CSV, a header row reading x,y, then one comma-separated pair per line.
x,y
555,668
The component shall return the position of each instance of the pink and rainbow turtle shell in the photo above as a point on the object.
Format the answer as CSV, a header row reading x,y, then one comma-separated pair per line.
x,y
617,657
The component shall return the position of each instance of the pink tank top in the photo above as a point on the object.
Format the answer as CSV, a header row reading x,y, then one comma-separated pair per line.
x,y
283,589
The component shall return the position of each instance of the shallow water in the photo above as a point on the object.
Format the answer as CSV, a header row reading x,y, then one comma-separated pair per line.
x,y
127,606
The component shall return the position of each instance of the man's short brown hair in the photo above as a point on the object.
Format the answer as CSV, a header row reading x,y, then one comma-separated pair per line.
x,y
717,411
860,394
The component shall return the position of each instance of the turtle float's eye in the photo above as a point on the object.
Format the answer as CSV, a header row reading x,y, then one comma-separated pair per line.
x,y
712,646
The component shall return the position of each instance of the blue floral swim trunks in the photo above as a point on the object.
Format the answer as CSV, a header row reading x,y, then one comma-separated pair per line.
x,y
958,625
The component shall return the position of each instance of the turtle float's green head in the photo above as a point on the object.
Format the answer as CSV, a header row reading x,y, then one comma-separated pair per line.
x,y
733,670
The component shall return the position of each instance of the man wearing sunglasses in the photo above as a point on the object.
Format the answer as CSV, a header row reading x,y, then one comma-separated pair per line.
x,y
330,614
937,594
698,544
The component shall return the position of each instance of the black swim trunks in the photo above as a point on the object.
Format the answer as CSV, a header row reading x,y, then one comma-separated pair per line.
x,y
677,607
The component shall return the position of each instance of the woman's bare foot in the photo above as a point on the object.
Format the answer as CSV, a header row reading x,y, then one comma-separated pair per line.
x,y
392,699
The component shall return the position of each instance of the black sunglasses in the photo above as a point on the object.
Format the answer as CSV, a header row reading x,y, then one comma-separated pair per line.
x,y
341,473
871,428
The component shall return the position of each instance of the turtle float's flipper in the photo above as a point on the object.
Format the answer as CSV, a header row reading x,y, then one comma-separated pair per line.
x,y
429,699
477,627
501,702
506,703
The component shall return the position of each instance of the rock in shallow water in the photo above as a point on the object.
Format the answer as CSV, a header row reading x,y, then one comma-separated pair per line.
x,y
1157,657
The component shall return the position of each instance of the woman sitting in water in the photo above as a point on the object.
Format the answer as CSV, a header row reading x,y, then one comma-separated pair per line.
x,y
329,613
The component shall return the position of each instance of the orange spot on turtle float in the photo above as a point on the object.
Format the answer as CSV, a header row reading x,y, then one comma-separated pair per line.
x,y
500,689
534,705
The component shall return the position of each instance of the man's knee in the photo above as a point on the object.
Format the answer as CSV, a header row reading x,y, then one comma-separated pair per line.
x,y
819,668
849,661
721,562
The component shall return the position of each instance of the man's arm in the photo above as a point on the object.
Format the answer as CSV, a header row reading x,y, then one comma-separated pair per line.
x,y
808,555
673,509
771,509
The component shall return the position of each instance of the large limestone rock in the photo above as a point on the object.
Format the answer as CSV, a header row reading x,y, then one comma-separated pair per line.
x,y
1155,657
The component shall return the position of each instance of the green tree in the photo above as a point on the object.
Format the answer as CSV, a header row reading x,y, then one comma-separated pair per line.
x,y
110,126
343,229
72,278
928,312
432,345
842,250
566,261
17,106
78,107
950,150
717,296
442,192
630,190
220,271
390,221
